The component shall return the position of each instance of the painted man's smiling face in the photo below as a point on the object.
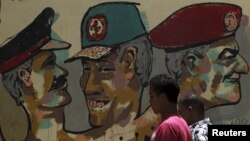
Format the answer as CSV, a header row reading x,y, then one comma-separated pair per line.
x,y
109,88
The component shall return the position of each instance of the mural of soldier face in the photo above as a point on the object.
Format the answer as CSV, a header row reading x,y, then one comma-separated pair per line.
x,y
215,76
111,88
45,85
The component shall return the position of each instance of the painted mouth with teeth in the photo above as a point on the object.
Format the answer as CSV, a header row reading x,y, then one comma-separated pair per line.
x,y
98,102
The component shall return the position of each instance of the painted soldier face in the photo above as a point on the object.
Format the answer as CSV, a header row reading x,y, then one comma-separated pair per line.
x,y
111,88
216,76
46,84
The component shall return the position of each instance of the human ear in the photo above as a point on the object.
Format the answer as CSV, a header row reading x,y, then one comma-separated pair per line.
x,y
163,96
190,108
129,62
191,61
24,75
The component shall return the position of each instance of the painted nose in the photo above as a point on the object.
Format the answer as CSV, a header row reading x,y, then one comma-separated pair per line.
x,y
92,84
241,65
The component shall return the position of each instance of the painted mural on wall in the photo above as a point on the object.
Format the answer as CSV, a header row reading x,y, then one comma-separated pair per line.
x,y
116,58
26,58
205,58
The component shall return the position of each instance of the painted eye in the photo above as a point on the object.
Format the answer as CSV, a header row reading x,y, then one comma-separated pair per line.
x,y
49,64
228,54
85,67
191,59
106,69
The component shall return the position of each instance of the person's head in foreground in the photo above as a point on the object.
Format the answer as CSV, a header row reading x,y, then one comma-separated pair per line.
x,y
164,91
191,108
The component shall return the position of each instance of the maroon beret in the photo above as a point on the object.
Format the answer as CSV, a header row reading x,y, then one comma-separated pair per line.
x,y
196,24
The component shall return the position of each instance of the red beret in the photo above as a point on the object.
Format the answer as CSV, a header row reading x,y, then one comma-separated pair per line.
x,y
196,24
